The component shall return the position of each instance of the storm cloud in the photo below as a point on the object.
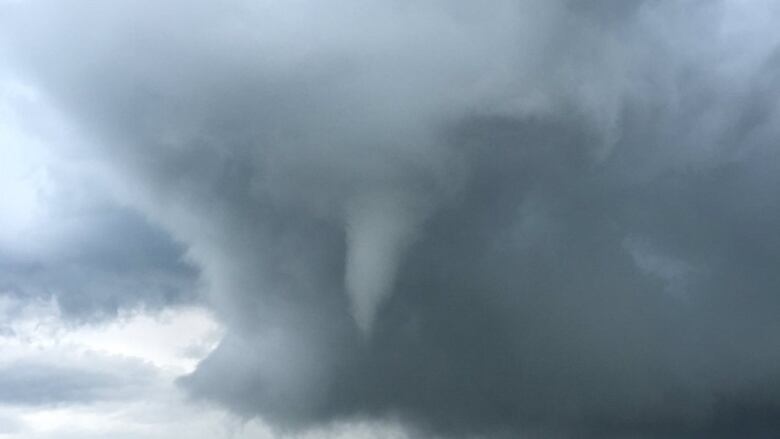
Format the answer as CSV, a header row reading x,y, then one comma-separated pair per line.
x,y
63,236
482,219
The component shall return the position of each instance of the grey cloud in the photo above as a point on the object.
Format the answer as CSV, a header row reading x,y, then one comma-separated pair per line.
x,y
114,260
55,382
497,193
62,236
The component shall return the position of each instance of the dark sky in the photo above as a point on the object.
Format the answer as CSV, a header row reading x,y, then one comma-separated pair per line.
x,y
524,217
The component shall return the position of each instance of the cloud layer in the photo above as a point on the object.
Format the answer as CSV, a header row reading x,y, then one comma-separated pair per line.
x,y
483,219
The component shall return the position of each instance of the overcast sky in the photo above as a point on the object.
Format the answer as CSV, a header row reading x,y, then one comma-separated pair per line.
x,y
257,219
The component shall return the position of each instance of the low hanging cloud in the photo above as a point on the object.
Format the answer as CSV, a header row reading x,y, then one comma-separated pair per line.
x,y
525,216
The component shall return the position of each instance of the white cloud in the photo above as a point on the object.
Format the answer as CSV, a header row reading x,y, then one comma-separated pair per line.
x,y
164,345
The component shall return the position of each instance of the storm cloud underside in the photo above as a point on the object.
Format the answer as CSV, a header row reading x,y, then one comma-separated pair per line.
x,y
521,216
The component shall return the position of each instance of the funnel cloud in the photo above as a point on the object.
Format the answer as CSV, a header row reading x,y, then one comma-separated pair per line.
x,y
378,232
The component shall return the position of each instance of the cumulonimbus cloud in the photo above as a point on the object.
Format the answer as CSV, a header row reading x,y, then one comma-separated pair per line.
x,y
547,216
